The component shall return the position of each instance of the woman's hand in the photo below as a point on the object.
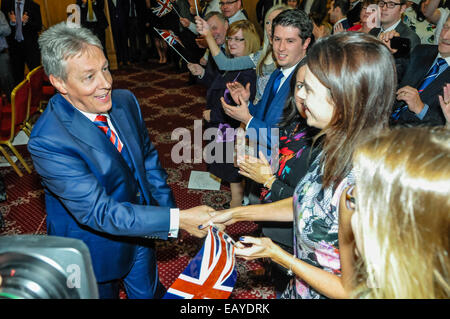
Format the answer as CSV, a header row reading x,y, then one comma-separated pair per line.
x,y
260,248
257,169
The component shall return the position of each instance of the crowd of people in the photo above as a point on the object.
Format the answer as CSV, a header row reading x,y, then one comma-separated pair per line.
x,y
349,173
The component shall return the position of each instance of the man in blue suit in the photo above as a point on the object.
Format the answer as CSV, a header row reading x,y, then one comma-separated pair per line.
x,y
102,177
291,36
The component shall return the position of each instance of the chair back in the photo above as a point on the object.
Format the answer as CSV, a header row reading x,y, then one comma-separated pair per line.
x,y
36,80
12,123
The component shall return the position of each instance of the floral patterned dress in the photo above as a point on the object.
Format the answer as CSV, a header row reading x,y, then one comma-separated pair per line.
x,y
316,223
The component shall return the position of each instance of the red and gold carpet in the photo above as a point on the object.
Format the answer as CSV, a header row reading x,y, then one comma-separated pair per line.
x,y
167,103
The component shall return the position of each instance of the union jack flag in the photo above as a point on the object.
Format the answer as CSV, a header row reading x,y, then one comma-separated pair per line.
x,y
211,274
169,37
163,8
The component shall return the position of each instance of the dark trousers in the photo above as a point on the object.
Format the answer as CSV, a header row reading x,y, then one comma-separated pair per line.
x,y
6,77
142,282
19,55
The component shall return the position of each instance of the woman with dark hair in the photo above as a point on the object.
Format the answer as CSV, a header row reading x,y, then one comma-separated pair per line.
x,y
278,178
348,93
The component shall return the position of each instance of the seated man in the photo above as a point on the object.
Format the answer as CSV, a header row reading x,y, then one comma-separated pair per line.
x,y
103,181
425,77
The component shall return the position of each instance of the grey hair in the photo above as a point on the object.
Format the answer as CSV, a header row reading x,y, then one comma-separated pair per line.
x,y
62,42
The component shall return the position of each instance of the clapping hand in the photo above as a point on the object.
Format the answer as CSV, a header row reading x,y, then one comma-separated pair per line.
x,y
338,28
240,95
238,90
444,101
257,169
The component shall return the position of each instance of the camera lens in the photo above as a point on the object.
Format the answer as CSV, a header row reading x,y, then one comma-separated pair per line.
x,y
32,277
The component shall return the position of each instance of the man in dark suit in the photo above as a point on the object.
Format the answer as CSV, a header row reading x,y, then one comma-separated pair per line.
x,y
135,29
391,14
118,16
291,36
426,75
102,177
338,15
24,18
93,17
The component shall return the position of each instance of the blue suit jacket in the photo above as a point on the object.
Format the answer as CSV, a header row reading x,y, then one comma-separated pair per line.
x,y
91,193
274,110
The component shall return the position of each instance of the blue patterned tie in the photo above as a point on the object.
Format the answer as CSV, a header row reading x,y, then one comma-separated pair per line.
x,y
431,75
19,34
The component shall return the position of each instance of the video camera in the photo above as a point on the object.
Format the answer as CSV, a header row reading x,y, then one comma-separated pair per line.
x,y
45,267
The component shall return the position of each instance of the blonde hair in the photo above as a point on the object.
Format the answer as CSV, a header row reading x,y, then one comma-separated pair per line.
x,y
252,40
403,212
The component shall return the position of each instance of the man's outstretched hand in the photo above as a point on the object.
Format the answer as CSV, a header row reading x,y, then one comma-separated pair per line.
x,y
193,217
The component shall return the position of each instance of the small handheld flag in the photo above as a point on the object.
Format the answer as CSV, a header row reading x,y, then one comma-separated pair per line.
x,y
211,274
171,40
163,7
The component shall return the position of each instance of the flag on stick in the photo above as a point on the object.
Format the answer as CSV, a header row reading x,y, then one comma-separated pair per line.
x,y
211,274
196,7
171,40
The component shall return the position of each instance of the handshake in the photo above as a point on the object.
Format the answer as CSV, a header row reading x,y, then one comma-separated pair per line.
x,y
197,219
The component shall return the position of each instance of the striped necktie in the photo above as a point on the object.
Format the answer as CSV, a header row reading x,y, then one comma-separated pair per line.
x,y
432,74
19,34
102,123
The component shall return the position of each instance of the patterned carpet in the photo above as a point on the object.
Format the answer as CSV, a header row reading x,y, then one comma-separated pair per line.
x,y
167,103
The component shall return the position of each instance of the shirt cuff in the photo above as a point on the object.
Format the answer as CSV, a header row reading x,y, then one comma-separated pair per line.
x,y
424,111
248,124
174,222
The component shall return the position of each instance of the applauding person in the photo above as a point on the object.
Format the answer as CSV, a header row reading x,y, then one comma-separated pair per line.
x,y
241,39
348,92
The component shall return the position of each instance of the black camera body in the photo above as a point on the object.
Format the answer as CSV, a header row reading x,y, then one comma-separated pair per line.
x,y
45,267
403,46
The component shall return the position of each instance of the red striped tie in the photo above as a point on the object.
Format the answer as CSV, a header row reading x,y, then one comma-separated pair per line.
x,y
102,124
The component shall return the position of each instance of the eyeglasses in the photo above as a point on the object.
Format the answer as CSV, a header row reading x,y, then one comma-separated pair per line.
x,y
229,39
227,3
389,4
